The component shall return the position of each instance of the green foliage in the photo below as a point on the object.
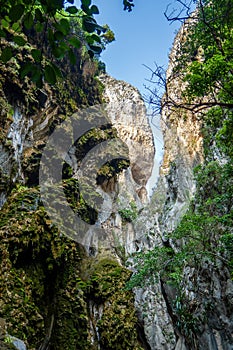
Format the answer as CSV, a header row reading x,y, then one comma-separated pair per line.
x,y
204,234
206,57
131,214
225,134
106,286
56,25
108,36
76,201
187,322
149,265
197,236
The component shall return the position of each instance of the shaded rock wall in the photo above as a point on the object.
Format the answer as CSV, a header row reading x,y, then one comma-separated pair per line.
x,y
52,291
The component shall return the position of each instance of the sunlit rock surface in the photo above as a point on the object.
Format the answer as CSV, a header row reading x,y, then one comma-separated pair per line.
x,y
127,112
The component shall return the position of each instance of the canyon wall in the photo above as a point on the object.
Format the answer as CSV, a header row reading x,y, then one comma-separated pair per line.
x,y
69,291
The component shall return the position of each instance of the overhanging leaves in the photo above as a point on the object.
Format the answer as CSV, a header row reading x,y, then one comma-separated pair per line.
x,y
72,10
53,22
36,54
75,42
16,12
19,40
28,20
50,75
6,55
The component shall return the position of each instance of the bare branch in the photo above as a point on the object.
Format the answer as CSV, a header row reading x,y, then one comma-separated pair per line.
x,y
158,78
159,94
182,13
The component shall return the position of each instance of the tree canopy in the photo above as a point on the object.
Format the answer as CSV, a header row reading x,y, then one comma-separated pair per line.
x,y
205,56
61,26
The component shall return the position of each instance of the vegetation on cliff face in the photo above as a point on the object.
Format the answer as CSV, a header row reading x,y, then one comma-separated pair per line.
x,y
50,291
44,297
201,245
46,287
106,286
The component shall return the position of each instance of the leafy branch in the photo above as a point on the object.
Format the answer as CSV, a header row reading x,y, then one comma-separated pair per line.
x,y
55,23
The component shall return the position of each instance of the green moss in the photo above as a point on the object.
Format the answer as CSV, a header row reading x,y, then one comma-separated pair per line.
x,y
93,137
70,315
6,114
39,268
218,125
75,199
106,286
40,280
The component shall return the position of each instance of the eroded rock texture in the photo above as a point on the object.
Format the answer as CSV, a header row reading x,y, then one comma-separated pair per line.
x,y
127,112
55,290
207,286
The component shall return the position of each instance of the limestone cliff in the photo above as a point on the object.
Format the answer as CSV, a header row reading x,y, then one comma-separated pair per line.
x,y
127,112
55,290
185,147
197,313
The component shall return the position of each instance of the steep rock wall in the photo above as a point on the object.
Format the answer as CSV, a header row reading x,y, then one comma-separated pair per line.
x,y
127,113
43,273
215,327
176,187
207,285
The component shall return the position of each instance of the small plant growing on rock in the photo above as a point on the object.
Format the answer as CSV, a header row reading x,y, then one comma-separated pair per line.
x,y
129,214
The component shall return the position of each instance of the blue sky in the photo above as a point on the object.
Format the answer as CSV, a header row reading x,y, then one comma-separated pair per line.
x,y
143,36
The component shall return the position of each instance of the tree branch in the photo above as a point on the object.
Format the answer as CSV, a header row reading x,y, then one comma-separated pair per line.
x,y
181,14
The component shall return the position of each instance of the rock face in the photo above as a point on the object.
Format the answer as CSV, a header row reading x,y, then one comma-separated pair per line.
x,y
127,112
210,283
183,144
41,271
176,187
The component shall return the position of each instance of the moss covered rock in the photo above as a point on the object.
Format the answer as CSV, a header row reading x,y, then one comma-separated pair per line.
x,y
117,324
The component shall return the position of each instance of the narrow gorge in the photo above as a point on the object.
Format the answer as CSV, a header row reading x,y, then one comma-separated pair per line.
x,y
149,272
